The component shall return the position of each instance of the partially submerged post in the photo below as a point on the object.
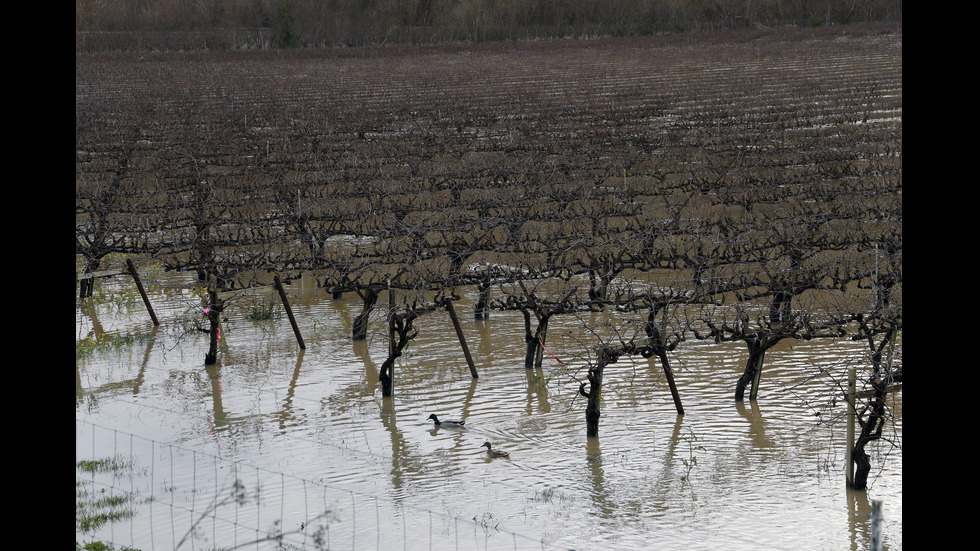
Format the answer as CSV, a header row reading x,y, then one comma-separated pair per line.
x,y
462,339
87,283
669,374
139,287
289,313
658,346
608,355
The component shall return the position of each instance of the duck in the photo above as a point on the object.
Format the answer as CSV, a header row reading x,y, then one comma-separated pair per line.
x,y
447,422
495,453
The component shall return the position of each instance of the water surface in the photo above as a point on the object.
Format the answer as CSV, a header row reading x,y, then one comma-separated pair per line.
x,y
310,430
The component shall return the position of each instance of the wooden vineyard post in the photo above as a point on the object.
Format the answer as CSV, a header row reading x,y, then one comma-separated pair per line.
x,y
655,346
462,339
289,313
139,287
669,374
608,355
852,398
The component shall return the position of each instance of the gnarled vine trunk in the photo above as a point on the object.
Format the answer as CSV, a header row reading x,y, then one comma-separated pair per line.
x,y
370,298
401,328
872,419
594,394
214,328
753,366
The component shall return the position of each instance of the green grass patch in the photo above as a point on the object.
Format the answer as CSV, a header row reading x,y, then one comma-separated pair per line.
x,y
95,507
90,345
264,311
99,546
116,465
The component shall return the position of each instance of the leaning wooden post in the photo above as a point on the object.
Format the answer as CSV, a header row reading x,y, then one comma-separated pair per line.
x,y
462,339
851,419
139,287
289,313
669,373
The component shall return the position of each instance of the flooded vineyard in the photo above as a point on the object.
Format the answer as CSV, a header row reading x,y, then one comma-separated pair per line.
x,y
764,474
651,271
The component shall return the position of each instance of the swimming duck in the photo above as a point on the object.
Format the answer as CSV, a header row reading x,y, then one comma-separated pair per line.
x,y
495,453
447,422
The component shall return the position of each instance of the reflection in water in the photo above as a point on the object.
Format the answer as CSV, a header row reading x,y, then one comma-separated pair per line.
x,y
323,405
485,344
398,452
859,510
468,399
370,369
675,457
218,420
757,429
537,392
133,384
286,413
597,491
141,374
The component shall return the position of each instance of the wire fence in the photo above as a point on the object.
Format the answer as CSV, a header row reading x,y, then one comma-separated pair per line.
x,y
137,493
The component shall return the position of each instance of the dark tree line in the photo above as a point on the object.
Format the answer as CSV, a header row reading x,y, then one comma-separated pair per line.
x,y
222,24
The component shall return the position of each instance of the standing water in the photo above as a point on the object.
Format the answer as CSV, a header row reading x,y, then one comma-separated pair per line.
x,y
277,446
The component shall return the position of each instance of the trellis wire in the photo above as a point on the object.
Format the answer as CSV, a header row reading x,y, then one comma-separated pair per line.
x,y
229,504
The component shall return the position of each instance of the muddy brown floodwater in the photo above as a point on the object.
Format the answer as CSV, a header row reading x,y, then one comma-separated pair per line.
x,y
310,432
